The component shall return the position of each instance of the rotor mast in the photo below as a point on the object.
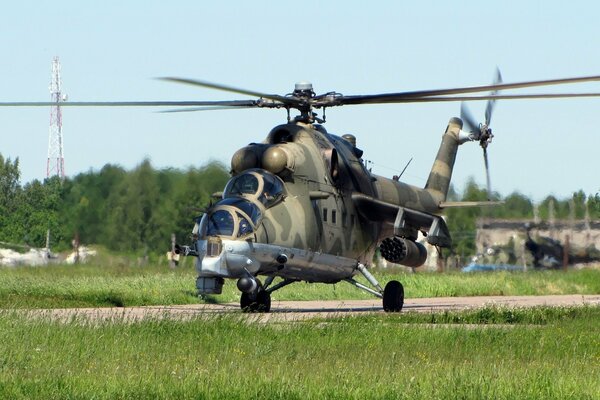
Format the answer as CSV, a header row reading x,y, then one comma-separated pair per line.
x,y
303,91
55,164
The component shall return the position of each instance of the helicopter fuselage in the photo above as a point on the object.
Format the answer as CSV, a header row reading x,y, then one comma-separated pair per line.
x,y
303,206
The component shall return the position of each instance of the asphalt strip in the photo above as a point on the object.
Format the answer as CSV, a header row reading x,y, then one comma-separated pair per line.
x,y
290,311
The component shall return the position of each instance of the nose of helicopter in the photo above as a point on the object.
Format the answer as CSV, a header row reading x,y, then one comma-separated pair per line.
x,y
219,259
225,258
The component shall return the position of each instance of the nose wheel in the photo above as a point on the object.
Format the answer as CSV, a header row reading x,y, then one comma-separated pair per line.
x,y
256,302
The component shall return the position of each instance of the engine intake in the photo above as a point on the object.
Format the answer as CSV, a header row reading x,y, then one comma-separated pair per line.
x,y
403,251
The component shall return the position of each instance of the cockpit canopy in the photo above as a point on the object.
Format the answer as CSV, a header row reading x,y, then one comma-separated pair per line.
x,y
256,184
239,212
234,217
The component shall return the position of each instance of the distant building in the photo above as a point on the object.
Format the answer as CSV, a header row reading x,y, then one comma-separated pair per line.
x,y
503,241
491,232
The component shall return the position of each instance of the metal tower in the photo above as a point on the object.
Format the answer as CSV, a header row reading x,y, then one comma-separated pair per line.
x,y
56,160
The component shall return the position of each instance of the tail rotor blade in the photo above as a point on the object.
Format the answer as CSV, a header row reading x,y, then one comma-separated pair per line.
x,y
490,104
468,119
487,174
488,111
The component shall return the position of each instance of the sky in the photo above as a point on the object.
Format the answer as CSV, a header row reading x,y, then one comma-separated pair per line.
x,y
114,50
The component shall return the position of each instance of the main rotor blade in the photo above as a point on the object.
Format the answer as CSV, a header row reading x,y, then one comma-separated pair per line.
x,y
435,99
467,117
255,103
400,96
216,108
218,86
492,102
487,174
230,103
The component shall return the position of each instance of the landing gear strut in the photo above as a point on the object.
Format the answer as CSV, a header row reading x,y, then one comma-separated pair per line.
x,y
392,295
260,300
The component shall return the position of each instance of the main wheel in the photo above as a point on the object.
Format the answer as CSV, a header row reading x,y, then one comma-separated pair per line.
x,y
256,302
393,297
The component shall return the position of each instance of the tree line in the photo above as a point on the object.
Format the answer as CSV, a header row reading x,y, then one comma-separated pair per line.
x,y
139,209
134,210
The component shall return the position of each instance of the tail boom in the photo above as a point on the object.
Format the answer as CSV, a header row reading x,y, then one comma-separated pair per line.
x,y
438,182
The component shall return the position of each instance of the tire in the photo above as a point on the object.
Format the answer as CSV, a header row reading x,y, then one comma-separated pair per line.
x,y
247,303
263,298
259,302
393,297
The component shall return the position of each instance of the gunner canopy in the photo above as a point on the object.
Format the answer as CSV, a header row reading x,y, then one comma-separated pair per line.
x,y
233,217
239,212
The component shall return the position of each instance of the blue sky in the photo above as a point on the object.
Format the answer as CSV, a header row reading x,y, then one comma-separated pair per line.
x,y
113,50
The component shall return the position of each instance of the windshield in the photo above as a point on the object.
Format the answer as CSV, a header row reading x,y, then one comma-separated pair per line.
x,y
272,190
233,217
242,184
256,184
220,223
247,207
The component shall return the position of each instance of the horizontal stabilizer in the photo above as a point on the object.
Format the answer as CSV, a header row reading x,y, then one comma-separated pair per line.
x,y
463,204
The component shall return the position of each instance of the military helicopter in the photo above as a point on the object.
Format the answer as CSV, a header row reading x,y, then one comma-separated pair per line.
x,y
549,253
302,206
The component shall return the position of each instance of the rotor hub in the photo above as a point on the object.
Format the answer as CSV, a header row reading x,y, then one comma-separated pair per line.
x,y
486,135
304,89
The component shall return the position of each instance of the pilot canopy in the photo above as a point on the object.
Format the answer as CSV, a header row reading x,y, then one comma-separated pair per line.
x,y
245,198
256,184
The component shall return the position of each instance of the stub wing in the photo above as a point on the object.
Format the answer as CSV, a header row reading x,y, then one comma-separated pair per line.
x,y
407,222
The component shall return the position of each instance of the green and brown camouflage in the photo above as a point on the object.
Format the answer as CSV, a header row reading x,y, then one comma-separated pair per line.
x,y
302,205
332,203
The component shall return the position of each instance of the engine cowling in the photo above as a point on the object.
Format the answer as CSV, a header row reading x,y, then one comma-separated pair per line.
x,y
403,251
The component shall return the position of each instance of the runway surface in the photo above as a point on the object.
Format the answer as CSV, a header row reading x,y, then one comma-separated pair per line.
x,y
301,310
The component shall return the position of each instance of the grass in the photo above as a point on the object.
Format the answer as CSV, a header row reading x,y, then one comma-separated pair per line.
x,y
550,353
59,286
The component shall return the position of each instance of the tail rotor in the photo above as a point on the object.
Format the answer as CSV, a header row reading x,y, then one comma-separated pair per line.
x,y
482,131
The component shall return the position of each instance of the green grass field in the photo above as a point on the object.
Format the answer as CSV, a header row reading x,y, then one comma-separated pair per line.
x,y
59,286
501,353
540,353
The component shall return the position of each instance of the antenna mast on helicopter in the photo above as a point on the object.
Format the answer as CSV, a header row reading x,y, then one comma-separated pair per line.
x,y
56,161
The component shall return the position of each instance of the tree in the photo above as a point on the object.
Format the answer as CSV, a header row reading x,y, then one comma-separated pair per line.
x,y
132,204
515,205
85,207
461,221
38,211
593,204
10,197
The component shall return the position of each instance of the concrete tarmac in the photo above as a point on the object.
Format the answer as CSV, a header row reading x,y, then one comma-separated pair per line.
x,y
301,310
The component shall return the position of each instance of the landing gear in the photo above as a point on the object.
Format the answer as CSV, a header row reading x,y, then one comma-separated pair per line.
x,y
393,297
260,300
256,302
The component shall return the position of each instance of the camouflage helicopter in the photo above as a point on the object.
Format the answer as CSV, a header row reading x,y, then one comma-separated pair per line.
x,y
302,206
549,253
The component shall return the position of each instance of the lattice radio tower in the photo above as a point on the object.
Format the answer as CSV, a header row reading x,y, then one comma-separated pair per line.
x,y
56,159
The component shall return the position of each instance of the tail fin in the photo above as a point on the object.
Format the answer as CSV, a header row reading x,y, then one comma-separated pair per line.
x,y
441,172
